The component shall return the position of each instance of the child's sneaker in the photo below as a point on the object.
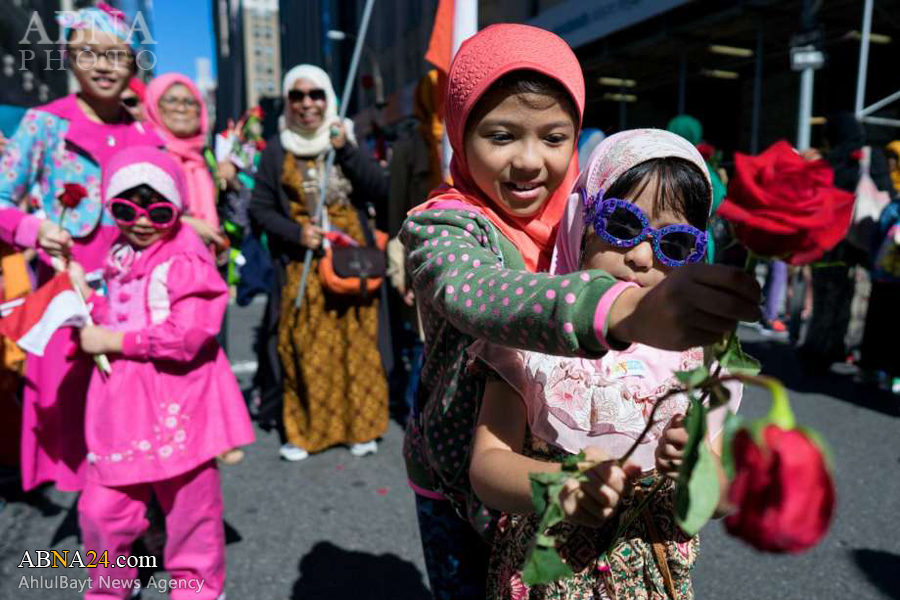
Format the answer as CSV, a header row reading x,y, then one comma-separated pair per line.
x,y
364,448
292,453
774,328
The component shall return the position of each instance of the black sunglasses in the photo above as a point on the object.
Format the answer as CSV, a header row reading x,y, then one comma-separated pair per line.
x,y
130,102
300,95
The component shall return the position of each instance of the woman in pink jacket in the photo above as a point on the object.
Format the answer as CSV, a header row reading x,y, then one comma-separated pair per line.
x,y
172,403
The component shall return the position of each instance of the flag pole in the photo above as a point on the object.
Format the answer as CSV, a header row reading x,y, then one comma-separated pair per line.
x,y
465,25
329,161
101,359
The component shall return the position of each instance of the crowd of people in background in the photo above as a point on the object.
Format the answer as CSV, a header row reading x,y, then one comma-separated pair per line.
x,y
378,280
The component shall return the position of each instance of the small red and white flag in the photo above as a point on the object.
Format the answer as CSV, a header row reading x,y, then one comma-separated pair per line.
x,y
31,321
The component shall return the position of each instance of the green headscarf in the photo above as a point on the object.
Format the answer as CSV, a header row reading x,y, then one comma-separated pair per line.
x,y
692,130
687,127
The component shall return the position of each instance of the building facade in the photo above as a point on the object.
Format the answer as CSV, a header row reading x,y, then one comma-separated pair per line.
x,y
725,61
262,50
32,69
228,26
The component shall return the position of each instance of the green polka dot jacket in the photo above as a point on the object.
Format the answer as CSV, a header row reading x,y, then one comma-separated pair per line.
x,y
470,282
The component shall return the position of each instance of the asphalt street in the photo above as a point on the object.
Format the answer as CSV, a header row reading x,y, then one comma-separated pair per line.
x,y
338,527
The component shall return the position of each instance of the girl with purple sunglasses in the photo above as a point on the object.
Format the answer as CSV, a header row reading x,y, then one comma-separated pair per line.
x,y
638,212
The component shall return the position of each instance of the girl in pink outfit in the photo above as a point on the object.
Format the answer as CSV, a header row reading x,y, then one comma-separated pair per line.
x,y
639,212
172,403
67,141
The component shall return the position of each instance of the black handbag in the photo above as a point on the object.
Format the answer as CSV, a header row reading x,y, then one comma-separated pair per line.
x,y
359,261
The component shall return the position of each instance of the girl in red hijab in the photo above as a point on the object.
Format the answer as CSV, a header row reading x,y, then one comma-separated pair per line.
x,y
476,250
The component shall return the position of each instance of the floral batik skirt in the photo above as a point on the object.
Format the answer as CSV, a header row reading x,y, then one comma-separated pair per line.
x,y
652,560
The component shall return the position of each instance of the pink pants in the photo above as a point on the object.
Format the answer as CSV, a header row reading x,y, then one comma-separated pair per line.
x,y
112,518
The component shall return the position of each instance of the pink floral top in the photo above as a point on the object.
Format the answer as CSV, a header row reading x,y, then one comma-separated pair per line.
x,y
573,403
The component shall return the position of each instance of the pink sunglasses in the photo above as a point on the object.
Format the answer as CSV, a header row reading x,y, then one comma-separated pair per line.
x,y
161,215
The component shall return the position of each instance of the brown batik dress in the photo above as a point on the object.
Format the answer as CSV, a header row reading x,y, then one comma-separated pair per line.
x,y
335,391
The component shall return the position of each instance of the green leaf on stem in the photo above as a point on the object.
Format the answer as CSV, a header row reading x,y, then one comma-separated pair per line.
x,y
545,488
729,428
719,395
697,493
713,352
571,462
694,377
780,413
736,362
544,566
538,495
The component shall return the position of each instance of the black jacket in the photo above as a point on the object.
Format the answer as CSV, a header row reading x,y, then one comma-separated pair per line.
x,y
270,212
270,208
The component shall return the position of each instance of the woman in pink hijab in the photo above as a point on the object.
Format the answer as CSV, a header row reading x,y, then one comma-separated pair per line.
x,y
176,109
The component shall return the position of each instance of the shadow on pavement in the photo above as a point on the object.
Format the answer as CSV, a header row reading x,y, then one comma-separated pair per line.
x,y
328,572
68,526
11,493
880,568
780,360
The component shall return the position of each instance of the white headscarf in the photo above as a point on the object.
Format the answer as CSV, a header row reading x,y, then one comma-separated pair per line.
x,y
611,158
303,142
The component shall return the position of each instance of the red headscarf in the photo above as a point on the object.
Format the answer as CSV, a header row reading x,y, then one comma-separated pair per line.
x,y
139,88
480,61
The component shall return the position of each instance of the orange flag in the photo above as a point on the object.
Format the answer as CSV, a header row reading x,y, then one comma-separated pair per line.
x,y
440,48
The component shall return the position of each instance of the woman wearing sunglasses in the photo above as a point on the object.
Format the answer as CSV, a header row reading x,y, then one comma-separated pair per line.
x,y
334,386
639,213
171,405
68,141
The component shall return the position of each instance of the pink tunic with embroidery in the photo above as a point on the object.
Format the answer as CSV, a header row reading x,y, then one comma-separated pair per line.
x,y
572,403
172,402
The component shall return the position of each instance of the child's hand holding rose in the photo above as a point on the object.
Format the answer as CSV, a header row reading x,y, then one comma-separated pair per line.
x,y
670,449
594,502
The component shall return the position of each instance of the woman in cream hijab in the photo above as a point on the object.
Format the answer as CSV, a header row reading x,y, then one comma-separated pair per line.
x,y
334,386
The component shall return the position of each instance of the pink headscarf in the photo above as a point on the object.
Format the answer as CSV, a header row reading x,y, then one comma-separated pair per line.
x,y
614,156
480,61
201,198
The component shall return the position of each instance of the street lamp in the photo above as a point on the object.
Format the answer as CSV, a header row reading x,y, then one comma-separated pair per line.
x,y
338,36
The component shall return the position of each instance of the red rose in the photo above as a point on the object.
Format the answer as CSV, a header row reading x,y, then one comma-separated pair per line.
x,y
783,492
784,206
72,194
